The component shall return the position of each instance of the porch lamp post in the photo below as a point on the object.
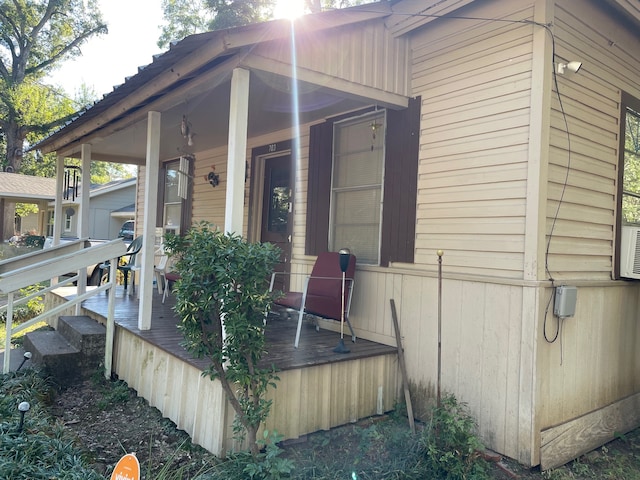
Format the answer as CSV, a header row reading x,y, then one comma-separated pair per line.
x,y
23,408
344,255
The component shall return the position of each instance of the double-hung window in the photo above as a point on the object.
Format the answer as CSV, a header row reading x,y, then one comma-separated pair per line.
x,y
174,214
357,186
362,184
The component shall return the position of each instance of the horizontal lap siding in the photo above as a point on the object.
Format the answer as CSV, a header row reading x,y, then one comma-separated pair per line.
x,y
583,170
596,362
474,78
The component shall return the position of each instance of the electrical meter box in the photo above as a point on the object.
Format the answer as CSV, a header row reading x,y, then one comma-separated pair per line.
x,y
564,304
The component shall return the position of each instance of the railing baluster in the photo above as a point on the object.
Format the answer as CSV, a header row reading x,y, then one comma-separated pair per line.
x,y
108,348
7,343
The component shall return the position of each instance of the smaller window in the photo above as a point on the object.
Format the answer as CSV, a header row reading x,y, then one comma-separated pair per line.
x,y
50,223
67,222
631,174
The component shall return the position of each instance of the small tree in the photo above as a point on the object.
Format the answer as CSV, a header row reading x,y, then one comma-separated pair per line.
x,y
222,298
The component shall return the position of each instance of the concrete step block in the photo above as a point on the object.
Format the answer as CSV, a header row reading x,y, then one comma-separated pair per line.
x,y
55,355
84,333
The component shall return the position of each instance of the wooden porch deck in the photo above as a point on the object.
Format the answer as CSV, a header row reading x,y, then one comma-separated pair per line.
x,y
315,348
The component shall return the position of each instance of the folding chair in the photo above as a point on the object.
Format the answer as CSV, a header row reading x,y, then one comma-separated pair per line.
x,y
322,291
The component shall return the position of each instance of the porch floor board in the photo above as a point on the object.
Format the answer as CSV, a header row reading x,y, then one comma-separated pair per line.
x,y
315,347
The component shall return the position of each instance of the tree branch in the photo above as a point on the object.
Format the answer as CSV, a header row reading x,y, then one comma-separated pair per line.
x,y
99,29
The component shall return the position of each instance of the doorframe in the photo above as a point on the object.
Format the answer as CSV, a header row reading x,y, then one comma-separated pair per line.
x,y
256,183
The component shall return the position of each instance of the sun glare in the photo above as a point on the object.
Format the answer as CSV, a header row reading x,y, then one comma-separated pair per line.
x,y
290,9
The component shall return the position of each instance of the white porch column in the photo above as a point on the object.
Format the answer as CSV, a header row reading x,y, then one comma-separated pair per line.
x,y
57,205
237,153
85,189
152,168
83,214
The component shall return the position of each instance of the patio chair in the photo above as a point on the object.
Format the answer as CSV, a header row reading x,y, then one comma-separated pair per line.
x,y
165,276
322,291
131,265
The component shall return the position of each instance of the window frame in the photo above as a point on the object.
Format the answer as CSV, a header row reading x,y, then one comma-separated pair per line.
x,y
401,158
627,101
357,120
185,203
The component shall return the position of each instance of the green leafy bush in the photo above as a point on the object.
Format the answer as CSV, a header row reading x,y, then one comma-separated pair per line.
x,y
450,448
222,298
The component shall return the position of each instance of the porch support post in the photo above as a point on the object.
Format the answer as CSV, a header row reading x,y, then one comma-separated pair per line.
x,y
83,214
42,218
57,206
237,152
149,223
85,189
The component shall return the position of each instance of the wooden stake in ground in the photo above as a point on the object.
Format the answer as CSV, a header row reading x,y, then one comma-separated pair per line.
x,y
403,368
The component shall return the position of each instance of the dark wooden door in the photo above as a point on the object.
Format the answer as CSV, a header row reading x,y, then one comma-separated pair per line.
x,y
277,207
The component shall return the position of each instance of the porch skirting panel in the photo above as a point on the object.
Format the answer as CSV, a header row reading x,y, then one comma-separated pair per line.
x,y
194,403
325,396
306,399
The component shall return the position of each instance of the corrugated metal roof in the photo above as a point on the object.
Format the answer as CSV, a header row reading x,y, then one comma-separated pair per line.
x,y
229,42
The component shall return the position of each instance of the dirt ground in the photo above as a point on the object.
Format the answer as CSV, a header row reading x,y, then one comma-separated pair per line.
x,y
110,423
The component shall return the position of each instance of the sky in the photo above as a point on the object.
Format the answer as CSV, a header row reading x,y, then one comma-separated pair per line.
x,y
134,28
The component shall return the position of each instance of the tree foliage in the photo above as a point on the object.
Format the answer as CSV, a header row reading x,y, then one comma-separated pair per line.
x,y
35,36
187,17
222,298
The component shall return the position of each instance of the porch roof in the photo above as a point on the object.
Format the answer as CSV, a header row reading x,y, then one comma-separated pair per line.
x,y
196,71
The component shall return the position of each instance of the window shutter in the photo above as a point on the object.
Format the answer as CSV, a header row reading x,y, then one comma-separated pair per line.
x,y
400,184
319,188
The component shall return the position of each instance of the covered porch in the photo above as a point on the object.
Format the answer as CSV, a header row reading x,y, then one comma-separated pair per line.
x,y
318,388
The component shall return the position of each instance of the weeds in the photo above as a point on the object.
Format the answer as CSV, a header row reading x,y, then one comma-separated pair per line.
x,y
115,391
449,445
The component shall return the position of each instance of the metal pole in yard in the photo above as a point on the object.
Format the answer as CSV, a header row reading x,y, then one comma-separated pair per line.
x,y
439,253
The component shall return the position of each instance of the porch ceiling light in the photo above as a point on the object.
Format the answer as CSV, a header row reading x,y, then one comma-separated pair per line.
x,y
571,66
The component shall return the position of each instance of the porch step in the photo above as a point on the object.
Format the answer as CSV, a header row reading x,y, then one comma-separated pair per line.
x,y
72,352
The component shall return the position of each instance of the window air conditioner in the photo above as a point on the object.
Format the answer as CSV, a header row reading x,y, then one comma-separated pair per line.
x,y
630,252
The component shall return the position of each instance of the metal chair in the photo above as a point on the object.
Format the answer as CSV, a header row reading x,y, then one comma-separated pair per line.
x,y
322,293
131,265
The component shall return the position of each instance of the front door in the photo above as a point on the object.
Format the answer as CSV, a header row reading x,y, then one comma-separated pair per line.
x,y
277,206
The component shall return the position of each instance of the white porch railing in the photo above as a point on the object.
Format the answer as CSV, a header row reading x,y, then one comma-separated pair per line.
x,y
33,268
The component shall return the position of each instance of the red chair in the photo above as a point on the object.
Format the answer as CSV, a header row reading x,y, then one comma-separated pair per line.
x,y
322,291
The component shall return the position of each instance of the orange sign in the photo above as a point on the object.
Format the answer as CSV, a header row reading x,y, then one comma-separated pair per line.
x,y
128,468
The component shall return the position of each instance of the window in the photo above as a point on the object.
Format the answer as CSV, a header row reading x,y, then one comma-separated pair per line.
x,y
174,196
631,162
68,220
356,192
363,197
50,223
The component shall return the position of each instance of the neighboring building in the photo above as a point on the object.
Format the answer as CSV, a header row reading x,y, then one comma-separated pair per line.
x,y
418,126
17,188
111,204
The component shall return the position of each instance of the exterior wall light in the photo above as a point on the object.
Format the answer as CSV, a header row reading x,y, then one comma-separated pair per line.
x,y
571,66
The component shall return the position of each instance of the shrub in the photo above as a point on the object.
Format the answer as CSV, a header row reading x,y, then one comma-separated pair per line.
x,y
449,446
222,298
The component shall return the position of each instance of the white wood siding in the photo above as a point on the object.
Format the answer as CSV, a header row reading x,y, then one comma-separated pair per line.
x,y
475,79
